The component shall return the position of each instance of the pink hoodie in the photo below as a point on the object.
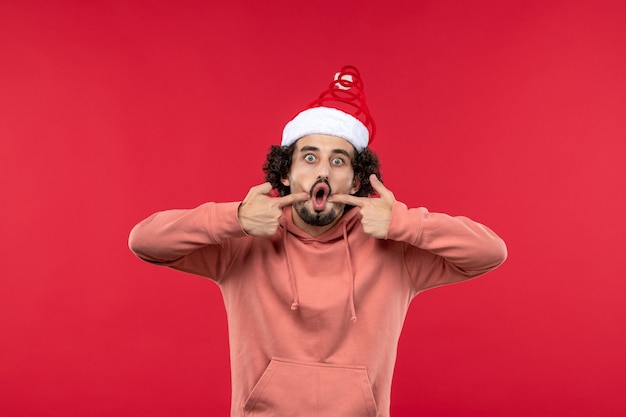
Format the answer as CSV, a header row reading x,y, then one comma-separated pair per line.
x,y
314,323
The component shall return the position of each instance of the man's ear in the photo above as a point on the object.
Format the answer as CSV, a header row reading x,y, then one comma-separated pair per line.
x,y
285,181
356,185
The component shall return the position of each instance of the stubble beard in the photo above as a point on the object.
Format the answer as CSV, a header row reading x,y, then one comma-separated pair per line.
x,y
324,217
315,218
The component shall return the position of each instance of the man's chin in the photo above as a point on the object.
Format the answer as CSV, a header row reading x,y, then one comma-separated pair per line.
x,y
329,214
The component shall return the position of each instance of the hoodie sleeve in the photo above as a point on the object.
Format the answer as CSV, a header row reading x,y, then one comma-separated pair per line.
x,y
193,240
443,249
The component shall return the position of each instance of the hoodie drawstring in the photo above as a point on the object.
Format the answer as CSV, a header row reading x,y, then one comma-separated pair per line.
x,y
292,278
349,260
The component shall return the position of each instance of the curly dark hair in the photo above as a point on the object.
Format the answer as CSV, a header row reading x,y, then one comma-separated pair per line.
x,y
278,163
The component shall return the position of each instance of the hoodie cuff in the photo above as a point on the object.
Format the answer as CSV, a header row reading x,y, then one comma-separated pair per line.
x,y
405,224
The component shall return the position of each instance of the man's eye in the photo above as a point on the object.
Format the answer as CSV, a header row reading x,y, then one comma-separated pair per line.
x,y
309,158
338,161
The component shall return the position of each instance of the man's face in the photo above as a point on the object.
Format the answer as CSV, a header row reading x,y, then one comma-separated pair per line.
x,y
321,165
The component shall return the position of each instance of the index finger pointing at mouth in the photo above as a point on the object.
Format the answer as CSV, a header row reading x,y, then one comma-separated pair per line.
x,y
292,198
346,199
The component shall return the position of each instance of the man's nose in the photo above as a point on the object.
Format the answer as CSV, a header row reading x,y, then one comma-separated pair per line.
x,y
323,170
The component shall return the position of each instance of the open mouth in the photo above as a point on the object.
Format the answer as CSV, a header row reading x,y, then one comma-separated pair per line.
x,y
319,194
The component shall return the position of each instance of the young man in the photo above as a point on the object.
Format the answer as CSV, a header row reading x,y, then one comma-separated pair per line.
x,y
317,281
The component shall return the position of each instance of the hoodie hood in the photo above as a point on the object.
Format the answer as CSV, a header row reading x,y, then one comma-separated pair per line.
x,y
339,232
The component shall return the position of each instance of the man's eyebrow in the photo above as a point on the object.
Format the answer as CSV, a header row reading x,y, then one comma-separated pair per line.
x,y
309,148
343,152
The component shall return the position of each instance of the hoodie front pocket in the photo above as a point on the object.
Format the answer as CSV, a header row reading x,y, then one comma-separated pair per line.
x,y
298,389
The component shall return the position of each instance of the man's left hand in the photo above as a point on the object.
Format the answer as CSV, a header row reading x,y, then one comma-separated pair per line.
x,y
375,213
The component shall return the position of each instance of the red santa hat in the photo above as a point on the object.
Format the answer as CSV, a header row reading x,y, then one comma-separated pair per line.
x,y
339,111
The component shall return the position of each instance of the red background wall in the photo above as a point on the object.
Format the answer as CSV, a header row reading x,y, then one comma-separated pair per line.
x,y
511,113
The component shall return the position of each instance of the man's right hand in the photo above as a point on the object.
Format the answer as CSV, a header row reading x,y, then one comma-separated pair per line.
x,y
259,213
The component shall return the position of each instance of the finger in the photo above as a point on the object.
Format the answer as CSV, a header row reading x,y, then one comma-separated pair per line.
x,y
292,198
378,186
347,199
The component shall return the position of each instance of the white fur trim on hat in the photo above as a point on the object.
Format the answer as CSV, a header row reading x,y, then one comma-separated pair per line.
x,y
326,121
